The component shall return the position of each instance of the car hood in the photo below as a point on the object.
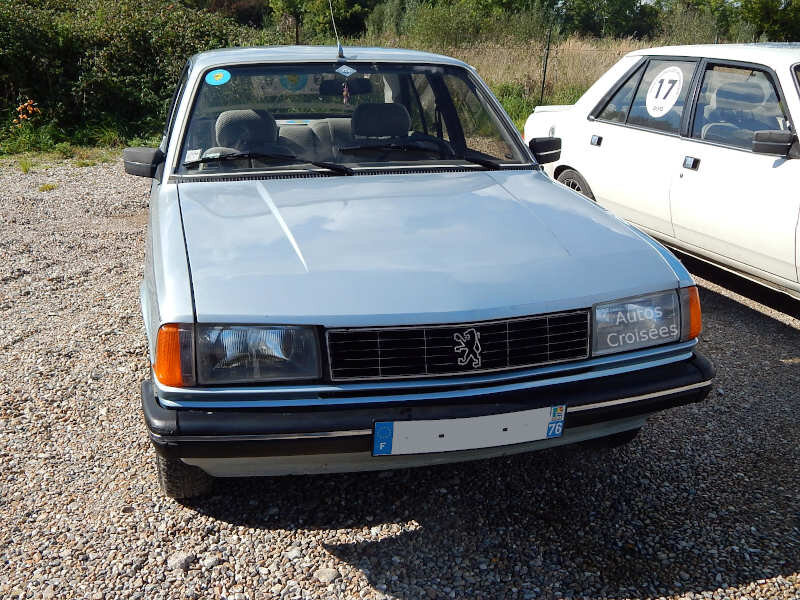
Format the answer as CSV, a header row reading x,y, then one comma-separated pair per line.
x,y
408,248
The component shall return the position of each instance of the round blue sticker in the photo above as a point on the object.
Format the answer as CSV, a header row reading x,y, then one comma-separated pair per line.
x,y
218,77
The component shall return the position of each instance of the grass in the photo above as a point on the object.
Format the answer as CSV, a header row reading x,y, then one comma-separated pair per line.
x,y
514,70
47,187
78,156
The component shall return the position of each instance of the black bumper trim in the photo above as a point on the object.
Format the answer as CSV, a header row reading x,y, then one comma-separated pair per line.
x,y
222,433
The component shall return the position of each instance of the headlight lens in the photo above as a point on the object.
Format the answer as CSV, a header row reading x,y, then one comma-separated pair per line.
x,y
244,354
637,323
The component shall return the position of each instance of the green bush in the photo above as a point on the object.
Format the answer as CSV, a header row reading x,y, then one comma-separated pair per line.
x,y
101,70
517,103
64,150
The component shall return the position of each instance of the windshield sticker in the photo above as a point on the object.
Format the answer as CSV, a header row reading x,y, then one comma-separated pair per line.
x,y
218,77
345,70
664,91
193,155
293,83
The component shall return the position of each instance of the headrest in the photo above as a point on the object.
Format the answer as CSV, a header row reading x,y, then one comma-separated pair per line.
x,y
356,86
237,127
381,120
738,95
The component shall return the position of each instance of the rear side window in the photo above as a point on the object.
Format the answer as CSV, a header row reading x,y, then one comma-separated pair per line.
x,y
734,103
616,111
661,95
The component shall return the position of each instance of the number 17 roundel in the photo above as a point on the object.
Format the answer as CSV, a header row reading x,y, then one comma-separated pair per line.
x,y
664,91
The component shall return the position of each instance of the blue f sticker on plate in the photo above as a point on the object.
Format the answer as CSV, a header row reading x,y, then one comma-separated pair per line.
x,y
218,77
382,438
556,425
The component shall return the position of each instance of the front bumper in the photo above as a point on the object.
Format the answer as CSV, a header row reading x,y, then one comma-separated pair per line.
x,y
317,439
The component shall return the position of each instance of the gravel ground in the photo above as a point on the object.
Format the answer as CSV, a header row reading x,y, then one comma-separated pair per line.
x,y
704,504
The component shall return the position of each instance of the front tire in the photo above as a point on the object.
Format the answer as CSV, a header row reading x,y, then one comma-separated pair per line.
x,y
575,181
179,480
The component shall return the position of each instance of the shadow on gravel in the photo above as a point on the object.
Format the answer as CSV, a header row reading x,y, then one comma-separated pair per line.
x,y
749,289
706,497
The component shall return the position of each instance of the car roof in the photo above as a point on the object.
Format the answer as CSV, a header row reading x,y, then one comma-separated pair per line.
x,y
288,54
775,54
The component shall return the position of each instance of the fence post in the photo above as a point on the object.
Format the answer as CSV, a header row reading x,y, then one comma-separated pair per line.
x,y
544,67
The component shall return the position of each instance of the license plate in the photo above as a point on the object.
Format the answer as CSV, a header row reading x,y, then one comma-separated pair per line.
x,y
447,435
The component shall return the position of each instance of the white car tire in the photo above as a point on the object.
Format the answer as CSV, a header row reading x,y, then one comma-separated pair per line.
x,y
575,181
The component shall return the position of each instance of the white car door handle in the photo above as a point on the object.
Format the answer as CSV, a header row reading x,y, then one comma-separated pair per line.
x,y
596,140
690,162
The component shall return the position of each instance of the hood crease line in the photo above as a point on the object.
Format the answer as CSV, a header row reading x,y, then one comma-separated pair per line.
x,y
265,196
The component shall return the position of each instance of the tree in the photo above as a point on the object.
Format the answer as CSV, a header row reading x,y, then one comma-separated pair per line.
x,y
777,20
617,18
292,9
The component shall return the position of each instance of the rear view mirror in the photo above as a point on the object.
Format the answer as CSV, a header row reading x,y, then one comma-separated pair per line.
x,y
142,162
773,142
333,87
545,149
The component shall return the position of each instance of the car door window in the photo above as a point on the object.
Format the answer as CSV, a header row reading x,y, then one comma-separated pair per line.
x,y
735,102
661,95
616,110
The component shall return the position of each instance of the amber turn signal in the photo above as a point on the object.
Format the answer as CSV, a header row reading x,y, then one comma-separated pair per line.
x,y
691,316
174,361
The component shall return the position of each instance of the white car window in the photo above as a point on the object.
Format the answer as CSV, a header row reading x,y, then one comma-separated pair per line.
x,y
734,103
616,111
661,95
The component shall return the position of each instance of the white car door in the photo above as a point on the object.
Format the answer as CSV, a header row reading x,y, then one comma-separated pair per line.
x,y
725,198
635,142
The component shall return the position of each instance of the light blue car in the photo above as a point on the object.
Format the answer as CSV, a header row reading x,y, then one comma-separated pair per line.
x,y
355,263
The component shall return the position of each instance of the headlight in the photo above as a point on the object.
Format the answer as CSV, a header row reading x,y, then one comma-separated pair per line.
x,y
249,354
637,322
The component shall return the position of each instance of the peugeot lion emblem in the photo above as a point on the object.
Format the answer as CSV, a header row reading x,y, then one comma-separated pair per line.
x,y
468,345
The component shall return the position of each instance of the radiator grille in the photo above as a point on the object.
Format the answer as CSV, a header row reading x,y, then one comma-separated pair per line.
x,y
431,350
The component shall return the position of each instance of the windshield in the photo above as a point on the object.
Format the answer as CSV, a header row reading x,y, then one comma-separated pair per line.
x,y
358,114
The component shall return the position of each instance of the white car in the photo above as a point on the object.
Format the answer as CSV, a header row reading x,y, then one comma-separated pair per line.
x,y
695,145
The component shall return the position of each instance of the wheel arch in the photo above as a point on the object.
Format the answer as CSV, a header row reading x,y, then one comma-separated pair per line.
x,y
561,168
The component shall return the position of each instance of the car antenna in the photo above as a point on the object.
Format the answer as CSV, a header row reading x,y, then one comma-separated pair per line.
x,y
339,50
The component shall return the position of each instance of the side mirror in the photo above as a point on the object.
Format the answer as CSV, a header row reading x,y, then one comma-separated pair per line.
x,y
545,149
773,142
142,162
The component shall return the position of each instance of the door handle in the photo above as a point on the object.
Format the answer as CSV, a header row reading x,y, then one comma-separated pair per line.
x,y
596,140
690,162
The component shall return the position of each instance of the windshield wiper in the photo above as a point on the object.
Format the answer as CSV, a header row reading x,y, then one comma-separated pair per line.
x,y
269,156
239,156
405,146
484,162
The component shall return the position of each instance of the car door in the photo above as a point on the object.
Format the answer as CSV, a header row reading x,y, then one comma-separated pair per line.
x,y
728,201
635,137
